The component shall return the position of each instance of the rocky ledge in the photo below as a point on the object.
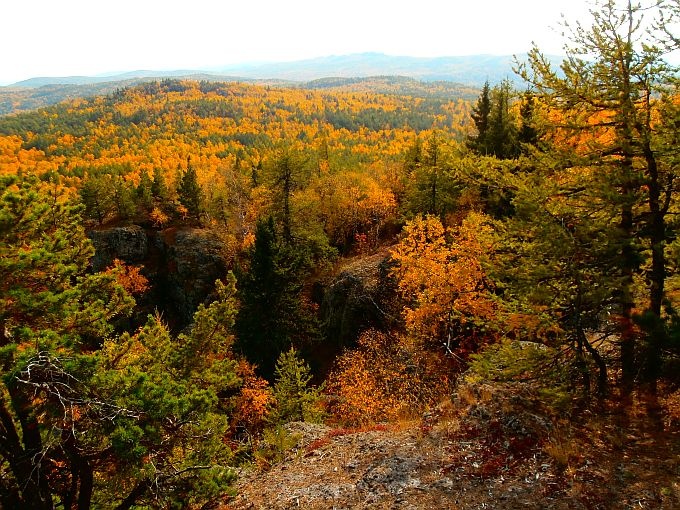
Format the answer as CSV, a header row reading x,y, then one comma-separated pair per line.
x,y
497,452
181,264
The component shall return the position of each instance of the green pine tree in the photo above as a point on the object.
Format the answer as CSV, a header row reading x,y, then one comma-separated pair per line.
x,y
496,127
528,132
175,385
296,400
190,194
431,187
501,135
159,188
286,173
272,316
610,84
123,197
88,418
481,113
144,193
556,262
50,310
96,194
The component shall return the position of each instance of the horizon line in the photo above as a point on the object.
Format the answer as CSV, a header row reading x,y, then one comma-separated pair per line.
x,y
222,68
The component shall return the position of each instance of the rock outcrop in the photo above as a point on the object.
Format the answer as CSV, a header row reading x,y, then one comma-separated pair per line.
x,y
493,446
180,264
129,243
192,260
360,296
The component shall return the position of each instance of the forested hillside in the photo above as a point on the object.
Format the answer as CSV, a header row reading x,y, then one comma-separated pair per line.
x,y
43,92
224,119
188,267
15,99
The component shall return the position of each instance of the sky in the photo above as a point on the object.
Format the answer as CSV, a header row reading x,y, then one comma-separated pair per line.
x,y
94,37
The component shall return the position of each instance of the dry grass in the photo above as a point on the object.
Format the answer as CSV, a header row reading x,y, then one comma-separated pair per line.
x,y
562,449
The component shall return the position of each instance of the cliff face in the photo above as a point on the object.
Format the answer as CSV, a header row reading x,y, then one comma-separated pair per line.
x,y
190,262
181,265
362,295
129,243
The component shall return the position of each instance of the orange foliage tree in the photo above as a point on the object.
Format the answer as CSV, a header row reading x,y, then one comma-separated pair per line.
x,y
129,277
441,274
384,378
253,404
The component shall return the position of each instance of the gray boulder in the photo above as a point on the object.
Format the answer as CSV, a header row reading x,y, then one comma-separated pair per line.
x,y
129,243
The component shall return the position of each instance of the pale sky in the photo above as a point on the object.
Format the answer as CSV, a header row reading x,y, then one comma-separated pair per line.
x,y
90,37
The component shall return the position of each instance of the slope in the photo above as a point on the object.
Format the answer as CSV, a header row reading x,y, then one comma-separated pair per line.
x,y
491,448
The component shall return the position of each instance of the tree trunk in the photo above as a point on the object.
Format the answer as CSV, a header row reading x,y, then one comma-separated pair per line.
x,y
134,495
27,464
602,378
627,327
86,485
657,274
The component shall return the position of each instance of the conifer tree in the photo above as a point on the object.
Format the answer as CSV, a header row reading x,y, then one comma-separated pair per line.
x,y
431,188
286,175
272,316
296,399
190,194
413,156
528,133
558,272
608,102
159,188
496,129
144,193
49,308
96,194
172,452
88,418
501,136
123,197
480,116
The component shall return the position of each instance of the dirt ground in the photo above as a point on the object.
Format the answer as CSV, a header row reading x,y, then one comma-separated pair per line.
x,y
497,451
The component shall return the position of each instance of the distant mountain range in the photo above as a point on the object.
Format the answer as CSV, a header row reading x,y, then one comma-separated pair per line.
x,y
471,70
467,72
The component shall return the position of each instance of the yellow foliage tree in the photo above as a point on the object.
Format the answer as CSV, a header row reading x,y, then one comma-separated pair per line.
x,y
386,377
441,274
129,277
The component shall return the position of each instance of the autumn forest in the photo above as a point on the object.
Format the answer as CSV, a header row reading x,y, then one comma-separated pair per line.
x,y
188,266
